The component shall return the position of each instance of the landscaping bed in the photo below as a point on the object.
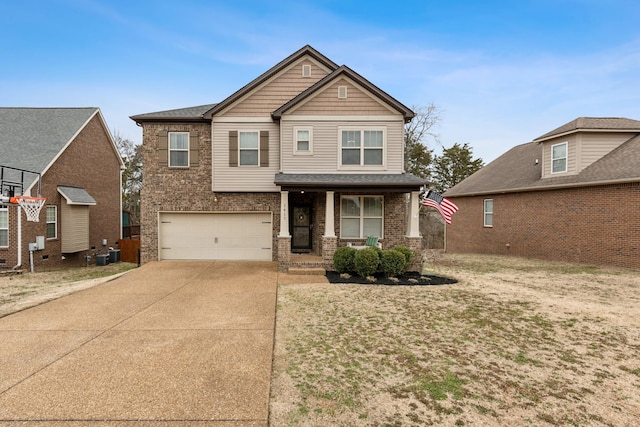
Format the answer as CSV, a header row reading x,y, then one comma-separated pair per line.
x,y
410,278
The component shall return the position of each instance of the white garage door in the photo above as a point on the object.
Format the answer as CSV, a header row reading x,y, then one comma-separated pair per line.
x,y
224,236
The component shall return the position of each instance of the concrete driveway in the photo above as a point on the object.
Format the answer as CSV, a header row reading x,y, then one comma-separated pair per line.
x,y
170,343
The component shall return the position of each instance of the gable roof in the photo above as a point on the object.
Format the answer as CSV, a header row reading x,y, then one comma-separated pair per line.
x,y
517,171
348,72
183,114
304,51
595,124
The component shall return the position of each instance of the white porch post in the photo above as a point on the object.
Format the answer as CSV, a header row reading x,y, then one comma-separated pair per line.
x,y
284,214
414,215
329,225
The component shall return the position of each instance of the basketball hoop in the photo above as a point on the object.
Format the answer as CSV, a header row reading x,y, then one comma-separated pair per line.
x,y
31,206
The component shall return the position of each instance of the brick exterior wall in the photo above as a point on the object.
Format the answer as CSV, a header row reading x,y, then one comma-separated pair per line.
x,y
591,225
89,162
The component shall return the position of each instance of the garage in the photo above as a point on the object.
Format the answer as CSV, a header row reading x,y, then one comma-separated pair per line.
x,y
215,236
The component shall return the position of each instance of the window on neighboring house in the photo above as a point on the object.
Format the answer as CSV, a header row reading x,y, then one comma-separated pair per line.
x,y
179,149
303,142
4,227
361,216
249,146
488,212
362,147
559,158
52,222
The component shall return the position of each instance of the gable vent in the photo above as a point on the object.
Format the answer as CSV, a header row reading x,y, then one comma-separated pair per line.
x,y
306,70
342,92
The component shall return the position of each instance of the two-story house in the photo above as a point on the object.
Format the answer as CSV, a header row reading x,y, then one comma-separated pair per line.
x,y
305,158
572,194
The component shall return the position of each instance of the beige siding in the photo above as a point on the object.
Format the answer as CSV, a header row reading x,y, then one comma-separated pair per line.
x,y
594,146
358,101
74,228
572,150
326,150
282,88
243,178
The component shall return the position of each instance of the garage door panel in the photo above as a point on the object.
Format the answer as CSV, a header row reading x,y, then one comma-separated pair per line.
x,y
233,236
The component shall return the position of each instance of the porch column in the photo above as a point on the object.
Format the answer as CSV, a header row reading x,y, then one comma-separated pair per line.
x,y
329,225
284,214
414,215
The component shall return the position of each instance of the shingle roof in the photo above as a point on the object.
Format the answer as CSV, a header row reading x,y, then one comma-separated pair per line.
x,y
398,181
188,113
76,195
517,170
614,124
31,138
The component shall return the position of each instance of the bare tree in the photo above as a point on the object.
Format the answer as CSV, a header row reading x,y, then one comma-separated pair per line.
x,y
418,133
131,154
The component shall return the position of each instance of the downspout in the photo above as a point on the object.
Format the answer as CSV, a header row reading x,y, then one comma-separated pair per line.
x,y
19,263
121,194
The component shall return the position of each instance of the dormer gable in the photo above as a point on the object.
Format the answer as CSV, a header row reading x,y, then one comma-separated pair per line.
x,y
572,147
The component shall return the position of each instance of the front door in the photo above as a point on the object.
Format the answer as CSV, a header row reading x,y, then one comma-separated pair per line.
x,y
301,228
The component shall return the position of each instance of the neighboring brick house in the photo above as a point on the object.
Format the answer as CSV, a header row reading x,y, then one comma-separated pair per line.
x,y
305,158
572,194
80,170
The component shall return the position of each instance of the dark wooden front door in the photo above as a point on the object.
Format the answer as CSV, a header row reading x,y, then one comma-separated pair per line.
x,y
301,227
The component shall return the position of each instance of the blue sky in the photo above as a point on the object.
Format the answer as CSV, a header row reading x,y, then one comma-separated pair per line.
x,y
502,72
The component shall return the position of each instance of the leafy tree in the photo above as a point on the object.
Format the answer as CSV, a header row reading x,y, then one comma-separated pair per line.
x,y
454,165
417,155
131,154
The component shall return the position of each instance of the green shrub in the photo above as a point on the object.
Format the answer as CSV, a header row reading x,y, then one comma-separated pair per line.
x,y
343,259
408,253
366,262
394,262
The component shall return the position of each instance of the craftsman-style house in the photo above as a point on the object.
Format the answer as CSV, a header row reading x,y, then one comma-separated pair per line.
x,y
305,158
572,194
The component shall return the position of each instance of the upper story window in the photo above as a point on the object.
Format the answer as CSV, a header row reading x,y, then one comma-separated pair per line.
x,y
361,216
488,212
179,149
4,227
559,158
52,222
249,145
303,143
306,70
362,147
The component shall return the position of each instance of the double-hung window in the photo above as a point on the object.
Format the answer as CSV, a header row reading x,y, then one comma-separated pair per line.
x,y
362,147
361,216
303,144
179,149
249,146
52,222
4,227
559,158
488,212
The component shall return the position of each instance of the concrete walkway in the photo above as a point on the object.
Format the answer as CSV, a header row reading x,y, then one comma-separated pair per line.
x,y
171,343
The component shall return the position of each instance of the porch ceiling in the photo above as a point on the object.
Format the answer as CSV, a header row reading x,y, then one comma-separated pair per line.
x,y
400,183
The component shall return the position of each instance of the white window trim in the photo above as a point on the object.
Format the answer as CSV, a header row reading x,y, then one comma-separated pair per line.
x,y
306,70
362,166
566,158
297,152
342,92
485,212
176,150
240,165
6,209
361,217
55,222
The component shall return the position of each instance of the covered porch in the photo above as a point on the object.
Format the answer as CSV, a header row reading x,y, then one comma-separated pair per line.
x,y
320,212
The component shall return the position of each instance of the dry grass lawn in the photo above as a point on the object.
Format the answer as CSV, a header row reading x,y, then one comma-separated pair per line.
x,y
516,342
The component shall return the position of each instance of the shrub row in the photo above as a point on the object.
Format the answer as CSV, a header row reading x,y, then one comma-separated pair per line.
x,y
366,262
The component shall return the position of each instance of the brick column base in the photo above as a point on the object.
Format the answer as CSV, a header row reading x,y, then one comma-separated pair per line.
x,y
284,253
329,246
415,244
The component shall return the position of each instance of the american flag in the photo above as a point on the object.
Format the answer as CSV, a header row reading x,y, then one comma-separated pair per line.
x,y
441,204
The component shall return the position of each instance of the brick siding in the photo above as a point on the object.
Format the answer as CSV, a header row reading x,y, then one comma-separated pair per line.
x,y
591,225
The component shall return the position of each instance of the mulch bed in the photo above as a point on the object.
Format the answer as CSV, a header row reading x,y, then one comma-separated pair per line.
x,y
410,278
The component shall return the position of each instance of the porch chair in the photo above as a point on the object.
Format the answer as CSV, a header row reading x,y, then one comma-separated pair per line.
x,y
371,242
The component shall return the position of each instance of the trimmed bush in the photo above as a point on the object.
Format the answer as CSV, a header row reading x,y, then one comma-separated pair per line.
x,y
408,253
366,262
394,262
343,259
